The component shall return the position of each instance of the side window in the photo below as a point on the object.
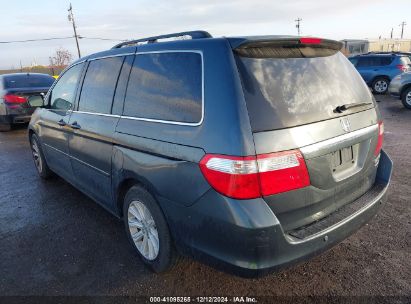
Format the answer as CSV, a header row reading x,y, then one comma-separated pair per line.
x,y
99,85
363,62
376,61
354,61
386,60
63,94
165,86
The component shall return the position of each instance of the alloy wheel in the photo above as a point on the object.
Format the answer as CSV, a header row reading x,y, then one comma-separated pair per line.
x,y
36,156
381,86
143,230
408,98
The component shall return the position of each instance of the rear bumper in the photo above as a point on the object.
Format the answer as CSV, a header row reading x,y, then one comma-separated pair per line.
x,y
394,88
244,237
14,119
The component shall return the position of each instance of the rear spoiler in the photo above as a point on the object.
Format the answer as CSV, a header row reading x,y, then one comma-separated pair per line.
x,y
295,47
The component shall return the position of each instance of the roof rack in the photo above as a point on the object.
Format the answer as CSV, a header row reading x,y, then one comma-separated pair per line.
x,y
193,34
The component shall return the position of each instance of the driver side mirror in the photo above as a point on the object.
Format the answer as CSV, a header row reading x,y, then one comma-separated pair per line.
x,y
36,101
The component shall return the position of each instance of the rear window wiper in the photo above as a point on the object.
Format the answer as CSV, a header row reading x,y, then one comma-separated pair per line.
x,y
348,106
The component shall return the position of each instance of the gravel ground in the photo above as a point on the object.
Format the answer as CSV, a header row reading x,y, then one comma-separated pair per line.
x,y
56,241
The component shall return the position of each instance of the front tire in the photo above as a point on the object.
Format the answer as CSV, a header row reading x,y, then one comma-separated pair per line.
x,y
38,157
380,85
147,230
406,98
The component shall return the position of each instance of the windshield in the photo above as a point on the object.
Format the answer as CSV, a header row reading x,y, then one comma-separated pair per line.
x,y
286,92
27,81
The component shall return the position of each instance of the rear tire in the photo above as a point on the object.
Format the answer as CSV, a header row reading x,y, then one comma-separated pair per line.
x,y
380,85
38,157
147,230
406,98
5,127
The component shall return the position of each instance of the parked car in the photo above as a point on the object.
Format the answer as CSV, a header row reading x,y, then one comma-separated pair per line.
x,y
248,154
400,87
378,69
15,89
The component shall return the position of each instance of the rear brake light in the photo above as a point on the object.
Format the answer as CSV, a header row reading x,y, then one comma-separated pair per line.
x,y
281,172
310,40
10,98
380,138
402,67
255,176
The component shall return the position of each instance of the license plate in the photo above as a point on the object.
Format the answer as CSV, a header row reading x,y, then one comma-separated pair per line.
x,y
342,156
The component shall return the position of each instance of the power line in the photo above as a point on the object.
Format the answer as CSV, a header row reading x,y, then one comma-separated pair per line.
x,y
60,38
40,39
98,38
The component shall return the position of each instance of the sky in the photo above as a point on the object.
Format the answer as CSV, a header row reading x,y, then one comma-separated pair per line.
x,y
128,19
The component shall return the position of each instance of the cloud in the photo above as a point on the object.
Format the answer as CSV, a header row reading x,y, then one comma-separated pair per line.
x,y
133,19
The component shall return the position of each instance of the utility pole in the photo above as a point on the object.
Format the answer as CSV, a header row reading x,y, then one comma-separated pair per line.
x,y
71,19
402,28
298,20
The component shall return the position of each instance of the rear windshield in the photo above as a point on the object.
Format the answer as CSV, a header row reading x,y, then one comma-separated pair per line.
x,y
286,92
27,81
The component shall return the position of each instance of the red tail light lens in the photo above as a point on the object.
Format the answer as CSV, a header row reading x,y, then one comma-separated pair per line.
x,y
380,138
281,172
232,176
310,40
10,98
402,67
252,177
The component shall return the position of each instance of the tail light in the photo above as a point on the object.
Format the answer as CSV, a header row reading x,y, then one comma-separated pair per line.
x,y
402,67
255,176
310,40
380,138
13,99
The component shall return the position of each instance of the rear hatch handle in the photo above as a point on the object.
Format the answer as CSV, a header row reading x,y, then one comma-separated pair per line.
x,y
345,107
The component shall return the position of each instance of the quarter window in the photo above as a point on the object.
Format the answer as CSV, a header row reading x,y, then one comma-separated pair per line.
x,y
99,85
165,86
63,93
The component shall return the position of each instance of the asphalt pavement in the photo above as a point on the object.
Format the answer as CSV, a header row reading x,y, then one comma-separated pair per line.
x,y
56,241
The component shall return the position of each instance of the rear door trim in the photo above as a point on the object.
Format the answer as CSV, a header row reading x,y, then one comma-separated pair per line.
x,y
332,144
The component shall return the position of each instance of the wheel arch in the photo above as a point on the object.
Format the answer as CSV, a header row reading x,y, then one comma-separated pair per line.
x,y
404,88
128,181
381,76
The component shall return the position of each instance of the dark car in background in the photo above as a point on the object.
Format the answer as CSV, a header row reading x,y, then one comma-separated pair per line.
x,y
378,69
247,153
400,87
15,89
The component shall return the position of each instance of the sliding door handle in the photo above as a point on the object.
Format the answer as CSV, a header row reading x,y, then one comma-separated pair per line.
x,y
75,125
61,123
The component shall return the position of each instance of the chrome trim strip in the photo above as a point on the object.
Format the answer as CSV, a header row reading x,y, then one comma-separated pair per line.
x,y
110,56
328,145
56,149
309,134
80,161
88,165
98,114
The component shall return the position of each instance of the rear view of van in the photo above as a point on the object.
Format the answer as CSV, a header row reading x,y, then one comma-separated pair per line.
x,y
246,153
